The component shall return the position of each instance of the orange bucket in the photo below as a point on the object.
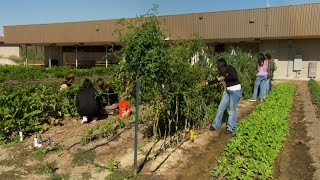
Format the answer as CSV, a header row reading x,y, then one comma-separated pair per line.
x,y
124,109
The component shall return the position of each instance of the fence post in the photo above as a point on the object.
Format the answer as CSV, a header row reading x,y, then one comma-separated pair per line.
x,y
135,163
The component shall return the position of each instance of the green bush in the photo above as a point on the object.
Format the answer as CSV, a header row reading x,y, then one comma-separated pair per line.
x,y
16,59
28,107
169,82
31,55
26,72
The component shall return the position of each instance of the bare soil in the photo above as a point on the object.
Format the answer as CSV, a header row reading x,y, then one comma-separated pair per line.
x,y
196,160
295,160
188,160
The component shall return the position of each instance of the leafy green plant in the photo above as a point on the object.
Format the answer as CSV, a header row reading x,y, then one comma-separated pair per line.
x,y
169,82
315,91
112,164
40,152
86,136
259,138
120,175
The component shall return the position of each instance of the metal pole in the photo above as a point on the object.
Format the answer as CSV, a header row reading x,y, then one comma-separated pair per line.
x,y
135,164
76,56
106,56
26,63
49,56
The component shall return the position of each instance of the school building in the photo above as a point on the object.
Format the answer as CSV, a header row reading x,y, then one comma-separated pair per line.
x,y
7,50
290,33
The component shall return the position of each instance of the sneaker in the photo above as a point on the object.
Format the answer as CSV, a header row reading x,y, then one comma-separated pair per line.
x,y
229,132
94,120
84,119
252,100
212,129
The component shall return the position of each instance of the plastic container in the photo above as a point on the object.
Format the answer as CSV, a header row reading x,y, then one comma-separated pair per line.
x,y
21,136
124,109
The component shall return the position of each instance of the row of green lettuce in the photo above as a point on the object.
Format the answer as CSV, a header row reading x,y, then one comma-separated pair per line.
x,y
315,91
250,154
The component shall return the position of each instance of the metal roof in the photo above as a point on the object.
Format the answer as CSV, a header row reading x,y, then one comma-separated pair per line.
x,y
285,22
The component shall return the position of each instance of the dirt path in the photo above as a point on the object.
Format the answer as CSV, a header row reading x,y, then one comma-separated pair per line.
x,y
295,161
196,160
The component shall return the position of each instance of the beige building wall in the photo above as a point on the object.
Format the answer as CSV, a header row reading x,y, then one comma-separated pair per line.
x,y
9,50
284,52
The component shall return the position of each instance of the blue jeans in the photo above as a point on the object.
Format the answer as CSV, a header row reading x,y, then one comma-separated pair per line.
x,y
232,98
260,81
270,85
267,87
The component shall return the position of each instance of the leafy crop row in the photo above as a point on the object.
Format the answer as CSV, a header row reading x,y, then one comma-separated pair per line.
x,y
23,72
29,108
315,91
259,138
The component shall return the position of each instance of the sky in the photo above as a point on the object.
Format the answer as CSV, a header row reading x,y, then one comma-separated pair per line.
x,y
20,12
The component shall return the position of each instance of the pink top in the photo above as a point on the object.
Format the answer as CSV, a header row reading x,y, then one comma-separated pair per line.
x,y
263,71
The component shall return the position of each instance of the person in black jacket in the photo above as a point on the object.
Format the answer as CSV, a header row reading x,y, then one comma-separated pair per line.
x,y
230,97
86,102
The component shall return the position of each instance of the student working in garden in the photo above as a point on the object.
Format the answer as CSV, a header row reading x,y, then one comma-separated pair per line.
x,y
69,80
108,100
261,78
86,101
230,97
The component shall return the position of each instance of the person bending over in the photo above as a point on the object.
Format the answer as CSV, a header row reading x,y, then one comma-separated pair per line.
x,y
230,97
86,101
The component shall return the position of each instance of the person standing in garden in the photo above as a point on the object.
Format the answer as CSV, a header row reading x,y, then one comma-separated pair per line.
x,y
69,80
86,101
270,70
230,97
261,78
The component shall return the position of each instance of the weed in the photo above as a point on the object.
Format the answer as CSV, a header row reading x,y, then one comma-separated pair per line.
x,y
10,175
121,123
112,164
86,175
65,176
18,159
81,157
7,162
47,168
86,136
120,175
40,153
